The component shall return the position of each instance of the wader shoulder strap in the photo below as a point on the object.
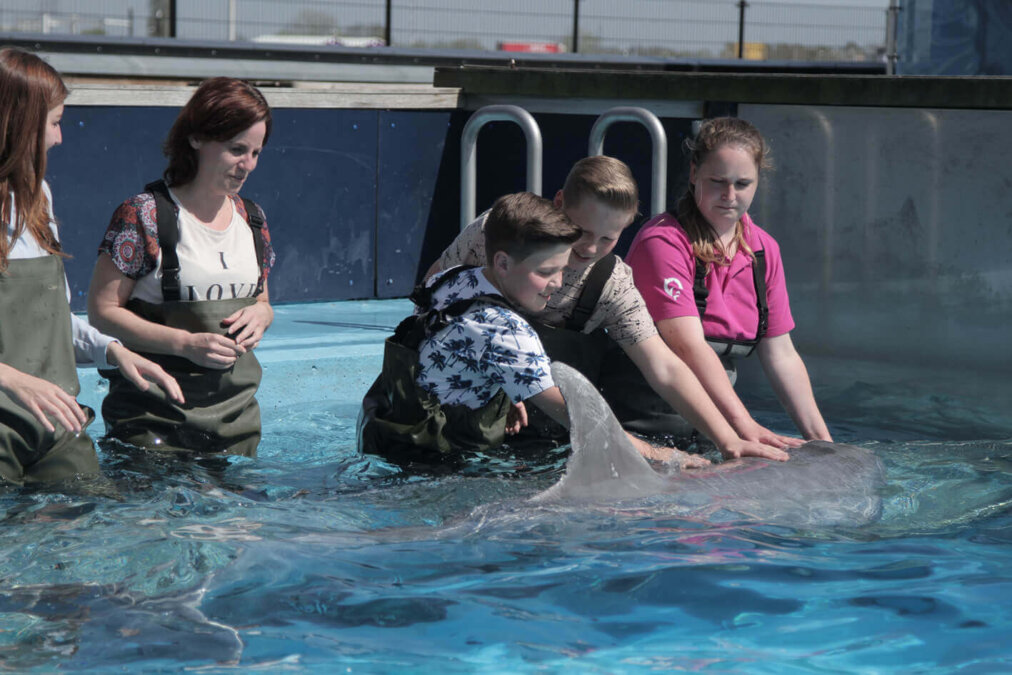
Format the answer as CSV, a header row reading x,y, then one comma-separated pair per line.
x,y
699,289
759,279
256,225
726,347
167,220
591,294
415,328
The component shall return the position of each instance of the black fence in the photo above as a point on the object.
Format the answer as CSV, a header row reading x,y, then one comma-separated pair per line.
x,y
719,29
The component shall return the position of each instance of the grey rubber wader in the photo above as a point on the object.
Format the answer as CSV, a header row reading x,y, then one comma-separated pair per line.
x,y
35,338
221,413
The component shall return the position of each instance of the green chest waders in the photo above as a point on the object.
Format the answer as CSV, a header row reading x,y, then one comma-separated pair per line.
x,y
35,338
407,425
221,413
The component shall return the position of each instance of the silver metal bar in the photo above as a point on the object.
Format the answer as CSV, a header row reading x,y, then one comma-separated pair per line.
x,y
658,156
468,152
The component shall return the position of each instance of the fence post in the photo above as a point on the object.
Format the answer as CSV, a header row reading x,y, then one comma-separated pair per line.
x,y
741,27
387,32
576,26
892,26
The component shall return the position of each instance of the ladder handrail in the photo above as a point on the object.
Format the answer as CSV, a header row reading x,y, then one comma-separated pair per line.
x,y
658,157
468,154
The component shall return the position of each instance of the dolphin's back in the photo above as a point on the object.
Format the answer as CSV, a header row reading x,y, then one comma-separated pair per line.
x,y
822,484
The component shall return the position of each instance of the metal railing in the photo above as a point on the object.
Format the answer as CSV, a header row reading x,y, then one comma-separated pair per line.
x,y
469,152
658,154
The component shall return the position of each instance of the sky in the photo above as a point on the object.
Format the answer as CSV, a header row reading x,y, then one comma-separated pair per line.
x,y
612,25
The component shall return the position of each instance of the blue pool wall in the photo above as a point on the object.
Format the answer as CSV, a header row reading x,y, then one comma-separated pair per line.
x,y
359,202
895,222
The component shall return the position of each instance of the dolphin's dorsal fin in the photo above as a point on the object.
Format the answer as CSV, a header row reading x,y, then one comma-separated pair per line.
x,y
603,465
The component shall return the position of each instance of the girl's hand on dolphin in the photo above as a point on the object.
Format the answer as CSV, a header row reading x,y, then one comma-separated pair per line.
x,y
741,448
753,431
516,418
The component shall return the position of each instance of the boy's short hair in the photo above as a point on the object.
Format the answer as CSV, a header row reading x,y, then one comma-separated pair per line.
x,y
523,222
605,178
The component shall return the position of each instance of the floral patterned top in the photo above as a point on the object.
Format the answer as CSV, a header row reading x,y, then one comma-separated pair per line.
x,y
485,349
131,239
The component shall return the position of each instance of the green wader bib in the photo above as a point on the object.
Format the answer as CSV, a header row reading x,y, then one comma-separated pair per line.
x,y
35,338
407,425
221,413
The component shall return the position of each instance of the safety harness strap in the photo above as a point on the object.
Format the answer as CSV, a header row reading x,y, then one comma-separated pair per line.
x,y
591,294
167,220
726,347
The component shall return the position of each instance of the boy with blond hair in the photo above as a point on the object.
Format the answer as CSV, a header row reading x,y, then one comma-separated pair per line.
x,y
598,306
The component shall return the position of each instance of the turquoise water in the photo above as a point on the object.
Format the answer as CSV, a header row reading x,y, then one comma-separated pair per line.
x,y
313,559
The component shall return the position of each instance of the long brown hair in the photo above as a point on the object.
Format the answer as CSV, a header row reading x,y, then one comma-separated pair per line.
x,y
220,109
714,134
29,89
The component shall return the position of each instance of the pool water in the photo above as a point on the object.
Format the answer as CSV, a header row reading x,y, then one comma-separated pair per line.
x,y
311,558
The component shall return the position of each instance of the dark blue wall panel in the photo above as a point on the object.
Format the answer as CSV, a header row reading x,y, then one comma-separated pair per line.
x,y
108,154
316,182
419,172
359,202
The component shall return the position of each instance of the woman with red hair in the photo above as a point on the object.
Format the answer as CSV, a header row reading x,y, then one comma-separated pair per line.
x,y
182,277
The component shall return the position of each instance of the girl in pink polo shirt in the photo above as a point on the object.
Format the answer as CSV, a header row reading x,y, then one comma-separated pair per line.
x,y
714,281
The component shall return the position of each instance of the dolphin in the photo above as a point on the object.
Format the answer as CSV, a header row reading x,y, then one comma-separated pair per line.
x,y
823,484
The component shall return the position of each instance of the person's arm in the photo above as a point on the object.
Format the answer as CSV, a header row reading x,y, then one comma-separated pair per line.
x,y
789,378
107,297
434,269
684,335
675,383
551,402
41,398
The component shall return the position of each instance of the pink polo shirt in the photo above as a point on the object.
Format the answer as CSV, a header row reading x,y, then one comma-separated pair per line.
x,y
664,269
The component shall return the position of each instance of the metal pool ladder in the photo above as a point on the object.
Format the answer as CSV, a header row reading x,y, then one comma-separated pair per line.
x,y
468,154
658,155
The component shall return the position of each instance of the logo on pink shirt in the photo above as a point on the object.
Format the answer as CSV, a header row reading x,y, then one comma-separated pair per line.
x,y
669,287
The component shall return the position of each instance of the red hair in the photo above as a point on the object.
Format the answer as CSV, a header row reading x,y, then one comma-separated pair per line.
x,y
220,109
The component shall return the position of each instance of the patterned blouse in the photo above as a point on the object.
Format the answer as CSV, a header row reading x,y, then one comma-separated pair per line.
x,y
620,311
131,239
485,349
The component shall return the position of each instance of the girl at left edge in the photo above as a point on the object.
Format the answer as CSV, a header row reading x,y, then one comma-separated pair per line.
x,y
42,438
